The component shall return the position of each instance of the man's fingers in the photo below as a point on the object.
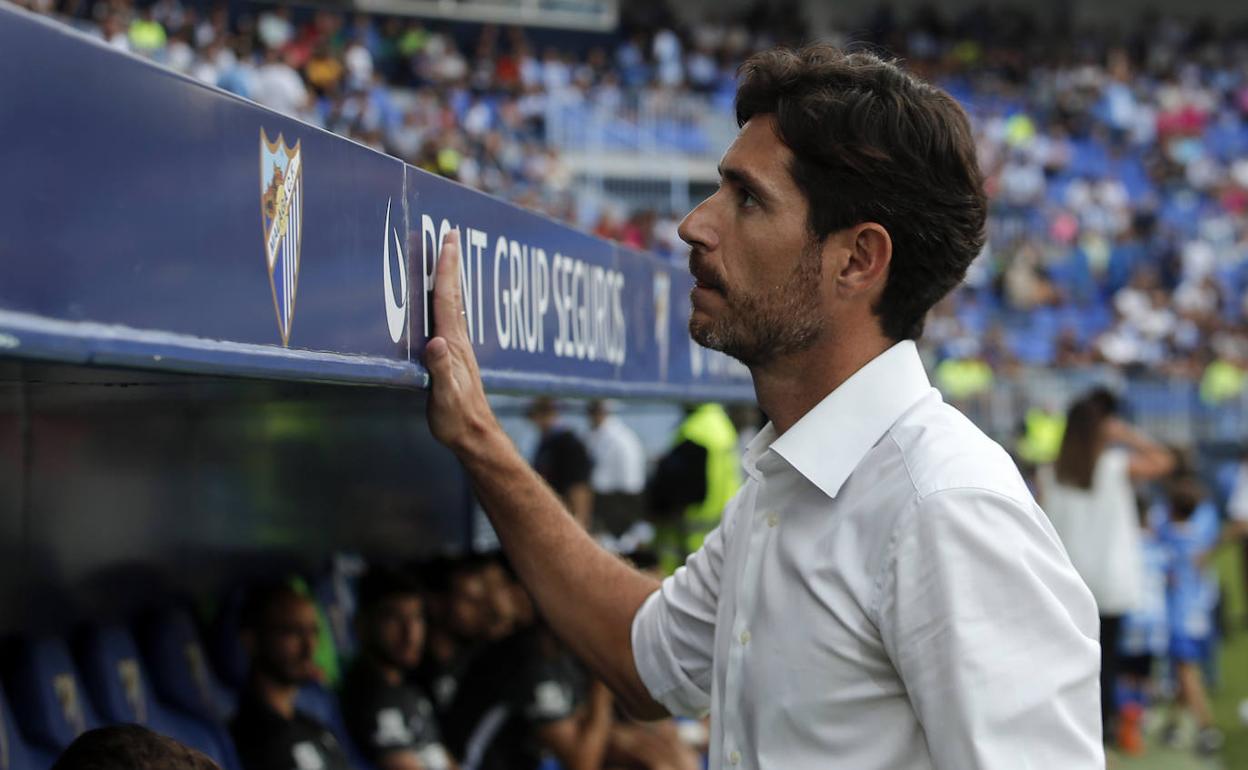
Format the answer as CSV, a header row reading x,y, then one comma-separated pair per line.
x,y
448,300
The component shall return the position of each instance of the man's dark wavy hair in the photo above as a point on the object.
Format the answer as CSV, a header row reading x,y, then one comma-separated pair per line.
x,y
875,144
130,747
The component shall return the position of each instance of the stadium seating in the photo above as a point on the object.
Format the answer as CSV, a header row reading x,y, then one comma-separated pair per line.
x,y
228,656
121,689
335,599
15,752
47,694
178,662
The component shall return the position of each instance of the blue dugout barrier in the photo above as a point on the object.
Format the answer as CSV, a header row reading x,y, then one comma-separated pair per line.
x,y
148,220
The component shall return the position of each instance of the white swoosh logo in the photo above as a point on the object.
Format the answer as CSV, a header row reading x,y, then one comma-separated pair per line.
x,y
396,312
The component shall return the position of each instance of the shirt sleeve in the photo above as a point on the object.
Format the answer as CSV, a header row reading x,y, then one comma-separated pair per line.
x,y
674,630
994,635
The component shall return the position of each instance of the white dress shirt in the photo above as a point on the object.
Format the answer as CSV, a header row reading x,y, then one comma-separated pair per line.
x,y
619,459
882,594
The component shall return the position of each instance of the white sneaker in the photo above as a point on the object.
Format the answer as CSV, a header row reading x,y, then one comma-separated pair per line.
x,y
1209,741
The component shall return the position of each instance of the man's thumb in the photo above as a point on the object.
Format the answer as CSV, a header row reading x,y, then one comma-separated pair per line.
x,y
438,357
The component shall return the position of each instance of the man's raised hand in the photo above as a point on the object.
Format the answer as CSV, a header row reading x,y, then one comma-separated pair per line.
x,y
458,413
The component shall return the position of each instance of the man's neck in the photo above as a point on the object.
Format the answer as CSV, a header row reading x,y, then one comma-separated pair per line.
x,y
787,388
277,696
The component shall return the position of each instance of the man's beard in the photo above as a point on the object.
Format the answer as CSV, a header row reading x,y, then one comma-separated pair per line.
x,y
777,321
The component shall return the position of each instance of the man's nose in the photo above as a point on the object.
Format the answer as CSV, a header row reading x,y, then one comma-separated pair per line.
x,y
698,228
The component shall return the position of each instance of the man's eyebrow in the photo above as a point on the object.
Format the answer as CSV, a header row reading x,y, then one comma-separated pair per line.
x,y
743,178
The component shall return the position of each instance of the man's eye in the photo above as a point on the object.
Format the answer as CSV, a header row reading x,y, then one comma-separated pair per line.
x,y
748,201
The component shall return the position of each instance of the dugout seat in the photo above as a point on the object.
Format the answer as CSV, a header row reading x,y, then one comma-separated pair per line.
x,y
122,691
228,656
47,696
15,752
336,596
178,663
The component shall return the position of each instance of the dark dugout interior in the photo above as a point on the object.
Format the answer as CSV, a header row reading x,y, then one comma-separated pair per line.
x,y
122,489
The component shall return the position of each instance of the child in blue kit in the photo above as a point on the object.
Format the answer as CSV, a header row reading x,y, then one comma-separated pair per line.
x,y
1188,534
1145,637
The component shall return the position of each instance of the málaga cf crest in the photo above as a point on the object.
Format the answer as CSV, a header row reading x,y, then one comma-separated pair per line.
x,y
281,212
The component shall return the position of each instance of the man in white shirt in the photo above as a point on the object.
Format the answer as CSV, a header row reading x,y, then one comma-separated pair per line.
x,y
619,475
883,593
619,460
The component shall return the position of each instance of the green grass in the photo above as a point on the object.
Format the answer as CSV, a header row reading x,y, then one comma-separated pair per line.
x,y
1234,686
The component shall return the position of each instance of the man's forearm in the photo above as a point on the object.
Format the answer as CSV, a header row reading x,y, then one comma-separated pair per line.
x,y
588,596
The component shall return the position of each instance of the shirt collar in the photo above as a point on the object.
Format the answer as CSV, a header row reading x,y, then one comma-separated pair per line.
x,y
757,450
829,441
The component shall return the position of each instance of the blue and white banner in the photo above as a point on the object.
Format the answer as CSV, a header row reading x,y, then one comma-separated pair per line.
x,y
128,211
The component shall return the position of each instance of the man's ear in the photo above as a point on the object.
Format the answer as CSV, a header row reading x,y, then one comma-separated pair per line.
x,y
864,266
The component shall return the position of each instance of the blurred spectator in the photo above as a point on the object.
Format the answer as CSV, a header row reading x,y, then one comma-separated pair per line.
x,y
619,476
277,85
460,617
1089,497
274,28
279,629
524,696
693,482
562,460
146,34
389,717
1145,637
1189,533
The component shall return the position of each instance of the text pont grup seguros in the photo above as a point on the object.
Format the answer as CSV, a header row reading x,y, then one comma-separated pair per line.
x,y
528,283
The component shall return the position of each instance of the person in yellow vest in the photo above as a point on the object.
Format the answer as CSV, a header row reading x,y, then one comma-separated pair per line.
x,y
693,482
1043,430
1223,380
146,34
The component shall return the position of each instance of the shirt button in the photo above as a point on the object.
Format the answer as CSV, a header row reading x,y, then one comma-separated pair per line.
x,y
734,758
745,637
772,519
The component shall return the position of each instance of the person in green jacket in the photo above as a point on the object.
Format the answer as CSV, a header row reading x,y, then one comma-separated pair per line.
x,y
693,483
